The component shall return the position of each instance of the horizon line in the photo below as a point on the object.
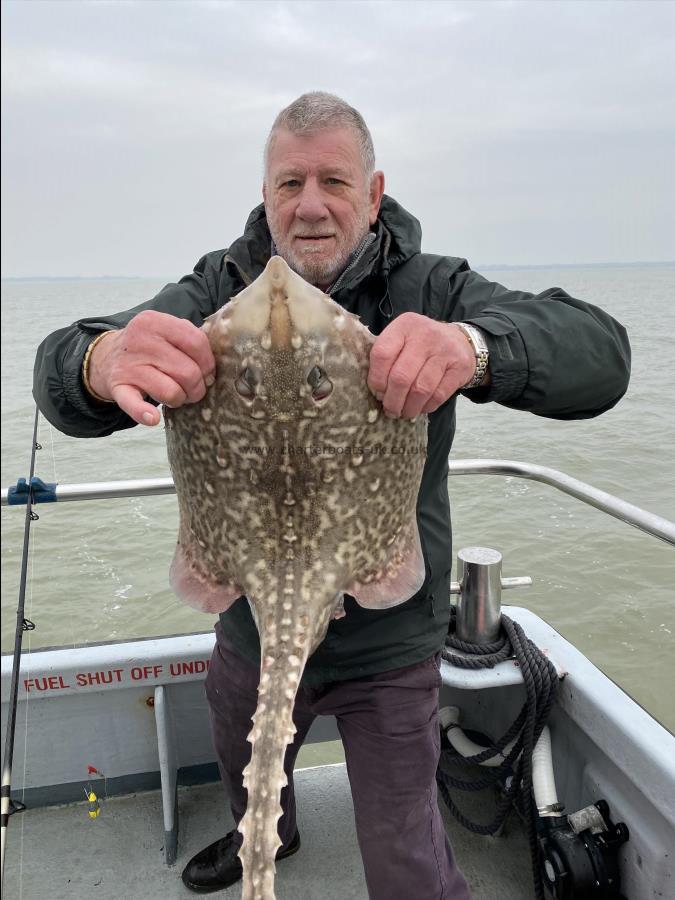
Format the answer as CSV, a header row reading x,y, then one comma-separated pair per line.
x,y
476,268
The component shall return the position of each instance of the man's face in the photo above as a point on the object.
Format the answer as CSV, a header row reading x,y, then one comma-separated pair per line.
x,y
318,201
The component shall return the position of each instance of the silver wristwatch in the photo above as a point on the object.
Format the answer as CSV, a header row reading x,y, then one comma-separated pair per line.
x,y
475,337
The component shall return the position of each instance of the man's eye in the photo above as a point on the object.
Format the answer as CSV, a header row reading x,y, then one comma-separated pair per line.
x,y
334,181
292,183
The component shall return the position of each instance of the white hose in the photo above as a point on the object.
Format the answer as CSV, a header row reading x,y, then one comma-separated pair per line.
x,y
543,779
449,718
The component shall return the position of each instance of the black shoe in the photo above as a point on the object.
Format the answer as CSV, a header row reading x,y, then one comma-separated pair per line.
x,y
218,866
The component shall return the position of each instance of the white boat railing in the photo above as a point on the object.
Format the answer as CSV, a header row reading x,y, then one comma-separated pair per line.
x,y
645,521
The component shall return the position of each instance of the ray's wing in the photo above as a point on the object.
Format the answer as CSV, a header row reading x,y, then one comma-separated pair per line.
x,y
198,590
400,577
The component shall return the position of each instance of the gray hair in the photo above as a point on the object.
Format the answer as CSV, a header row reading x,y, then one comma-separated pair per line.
x,y
317,110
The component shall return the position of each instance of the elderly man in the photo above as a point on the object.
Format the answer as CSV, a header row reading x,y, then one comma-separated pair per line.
x,y
442,329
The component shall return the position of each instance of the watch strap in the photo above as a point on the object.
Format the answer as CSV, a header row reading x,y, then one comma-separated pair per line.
x,y
480,348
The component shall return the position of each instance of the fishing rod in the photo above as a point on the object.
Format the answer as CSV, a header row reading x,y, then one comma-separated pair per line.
x,y
22,624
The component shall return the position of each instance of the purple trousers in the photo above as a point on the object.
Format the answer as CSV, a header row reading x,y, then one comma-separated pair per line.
x,y
389,728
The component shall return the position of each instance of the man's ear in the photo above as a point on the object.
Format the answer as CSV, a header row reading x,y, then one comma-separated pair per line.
x,y
375,195
264,192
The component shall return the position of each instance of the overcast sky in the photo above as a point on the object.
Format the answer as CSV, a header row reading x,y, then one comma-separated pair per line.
x,y
517,132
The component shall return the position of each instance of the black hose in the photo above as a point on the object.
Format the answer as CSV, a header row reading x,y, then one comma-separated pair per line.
x,y
21,625
541,684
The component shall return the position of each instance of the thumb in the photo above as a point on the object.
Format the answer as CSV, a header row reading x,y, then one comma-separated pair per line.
x,y
130,399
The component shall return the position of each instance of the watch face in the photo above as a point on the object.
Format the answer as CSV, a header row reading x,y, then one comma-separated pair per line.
x,y
478,339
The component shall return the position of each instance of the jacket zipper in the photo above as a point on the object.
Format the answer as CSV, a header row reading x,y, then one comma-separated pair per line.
x,y
358,253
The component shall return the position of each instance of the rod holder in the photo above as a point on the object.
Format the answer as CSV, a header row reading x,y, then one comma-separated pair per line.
x,y
479,571
479,590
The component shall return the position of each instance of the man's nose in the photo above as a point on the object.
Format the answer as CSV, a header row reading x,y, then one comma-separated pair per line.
x,y
311,206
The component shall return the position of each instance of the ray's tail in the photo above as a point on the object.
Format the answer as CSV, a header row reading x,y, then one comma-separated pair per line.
x,y
264,777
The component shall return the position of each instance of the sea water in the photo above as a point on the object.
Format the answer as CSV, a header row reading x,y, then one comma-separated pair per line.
x,y
98,570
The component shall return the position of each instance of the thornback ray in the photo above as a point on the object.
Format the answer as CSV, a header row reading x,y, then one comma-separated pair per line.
x,y
293,489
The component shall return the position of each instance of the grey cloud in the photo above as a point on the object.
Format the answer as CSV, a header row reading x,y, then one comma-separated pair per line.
x,y
517,132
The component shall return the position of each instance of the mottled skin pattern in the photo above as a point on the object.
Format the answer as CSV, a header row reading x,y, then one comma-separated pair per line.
x,y
293,488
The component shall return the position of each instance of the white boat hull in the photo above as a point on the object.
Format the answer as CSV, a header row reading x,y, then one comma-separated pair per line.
x,y
132,716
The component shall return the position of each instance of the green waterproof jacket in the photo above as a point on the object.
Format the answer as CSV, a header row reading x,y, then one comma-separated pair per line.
x,y
549,354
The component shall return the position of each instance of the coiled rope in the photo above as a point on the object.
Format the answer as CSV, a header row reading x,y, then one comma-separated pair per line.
x,y
541,684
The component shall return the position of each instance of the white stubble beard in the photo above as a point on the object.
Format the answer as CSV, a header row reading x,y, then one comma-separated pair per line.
x,y
319,271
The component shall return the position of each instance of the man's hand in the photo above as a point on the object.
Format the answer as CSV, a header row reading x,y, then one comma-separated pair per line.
x,y
156,355
417,363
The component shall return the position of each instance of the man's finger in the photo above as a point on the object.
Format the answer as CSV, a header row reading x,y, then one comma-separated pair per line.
x,y
184,370
450,384
383,354
402,376
423,389
130,399
162,388
195,344
153,383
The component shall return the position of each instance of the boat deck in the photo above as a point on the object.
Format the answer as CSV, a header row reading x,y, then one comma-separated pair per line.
x,y
58,852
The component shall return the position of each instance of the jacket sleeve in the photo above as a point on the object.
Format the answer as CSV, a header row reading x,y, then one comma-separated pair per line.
x,y
57,376
549,353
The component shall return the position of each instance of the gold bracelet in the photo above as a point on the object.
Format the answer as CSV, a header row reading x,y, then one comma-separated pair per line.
x,y
85,368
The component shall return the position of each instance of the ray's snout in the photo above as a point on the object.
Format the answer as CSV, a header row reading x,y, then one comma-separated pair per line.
x,y
281,326
277,271
278,306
